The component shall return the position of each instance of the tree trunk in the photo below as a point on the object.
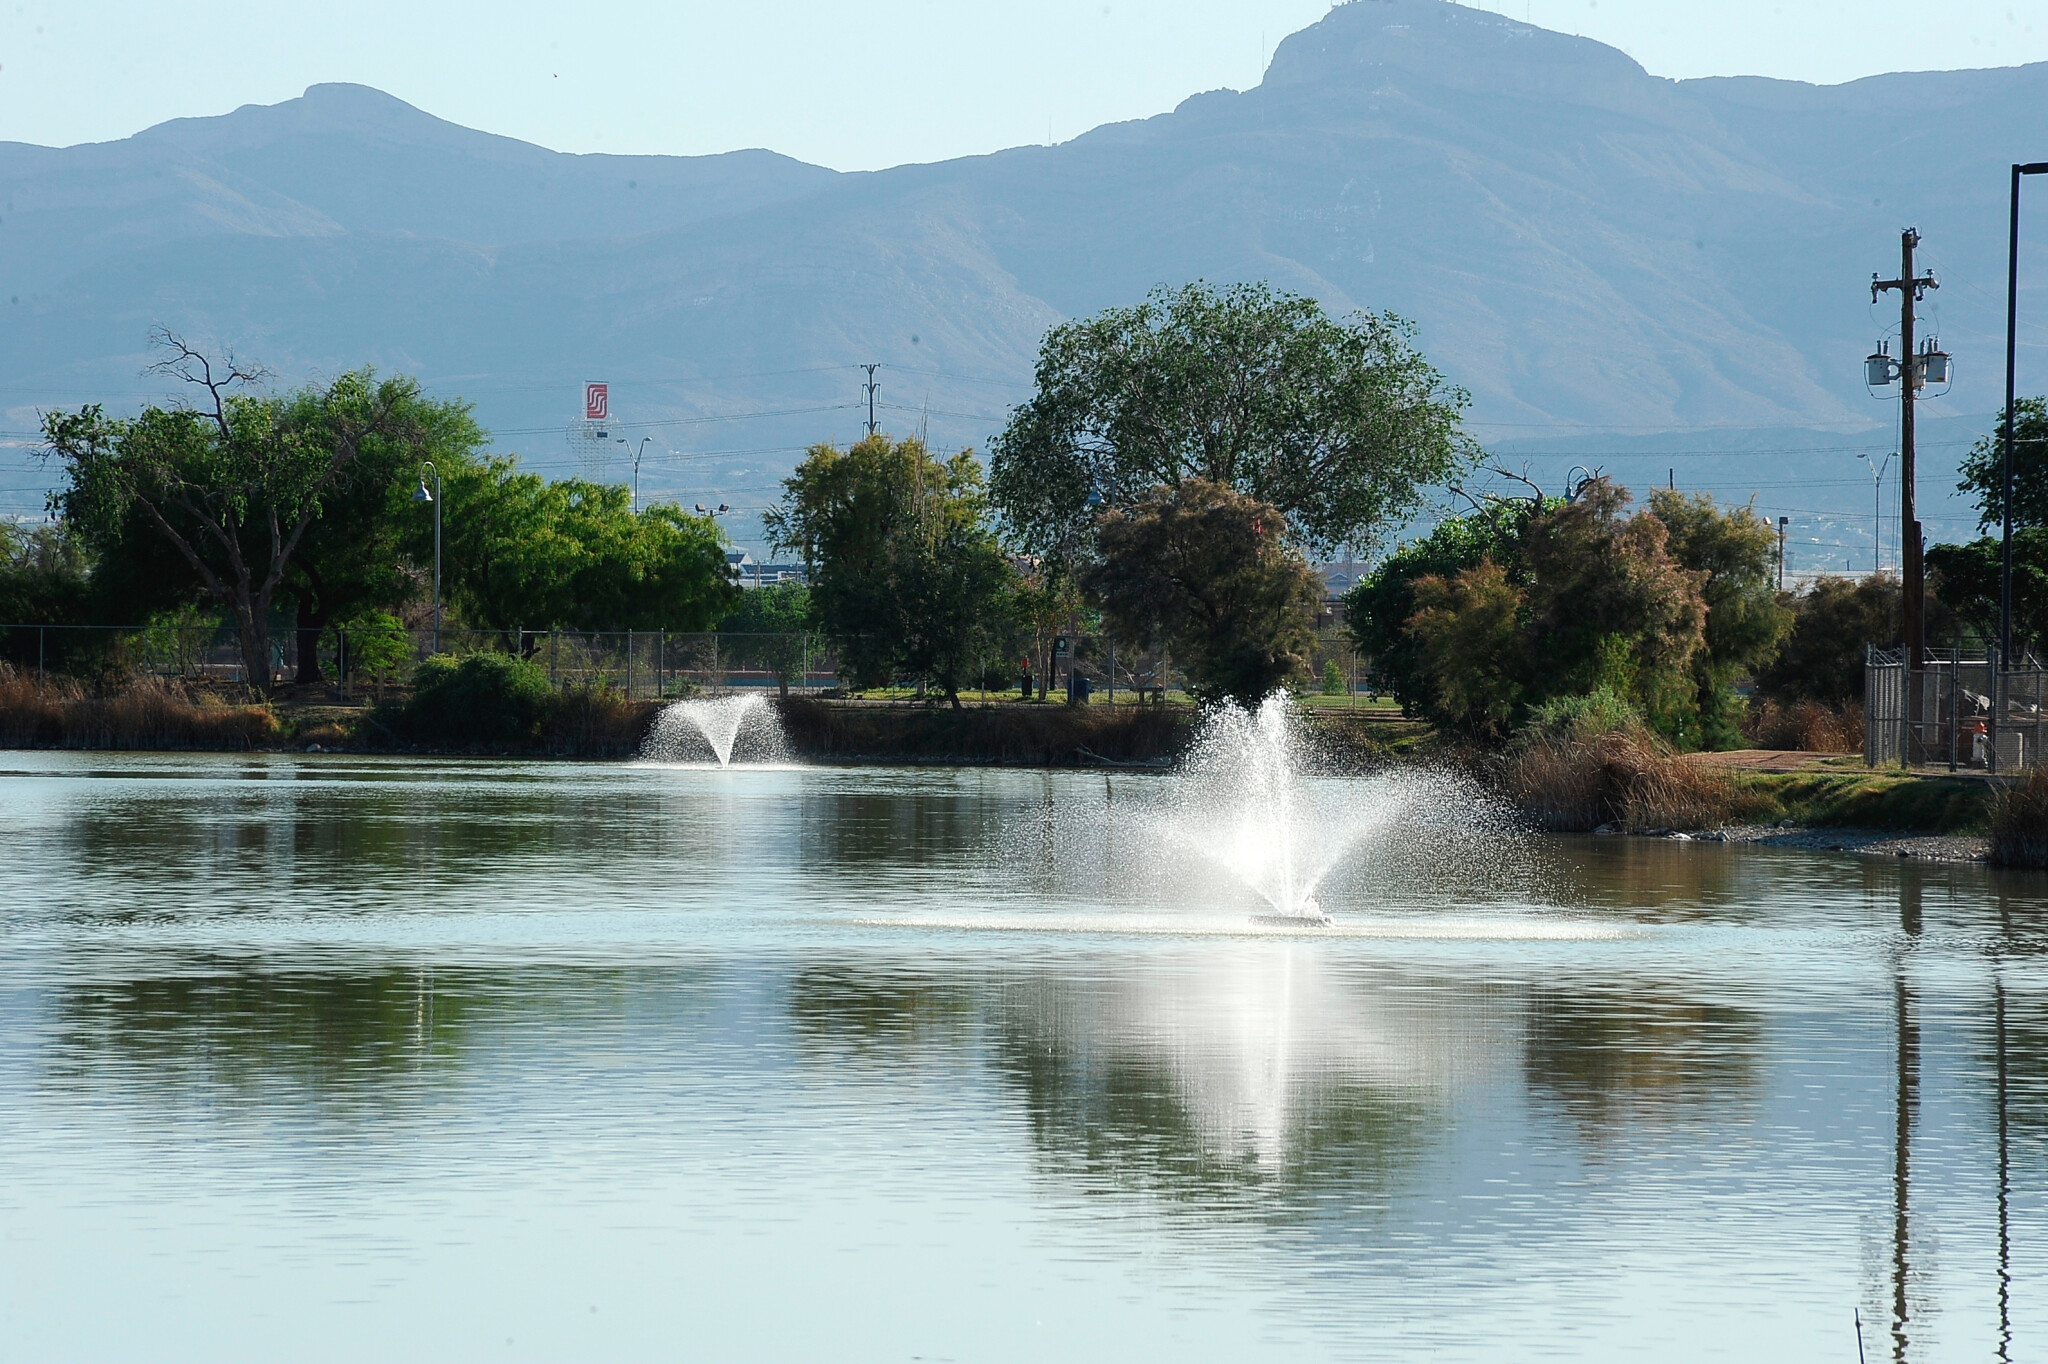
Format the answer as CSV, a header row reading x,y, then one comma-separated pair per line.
x,y
253,629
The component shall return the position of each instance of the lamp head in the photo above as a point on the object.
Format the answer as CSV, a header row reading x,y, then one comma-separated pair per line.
x,y
420,494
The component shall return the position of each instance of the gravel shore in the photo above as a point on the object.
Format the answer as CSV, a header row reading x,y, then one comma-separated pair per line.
x,y
1868,842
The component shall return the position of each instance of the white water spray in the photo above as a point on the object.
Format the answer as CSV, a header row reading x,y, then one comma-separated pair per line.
x,y
1240,803
686,728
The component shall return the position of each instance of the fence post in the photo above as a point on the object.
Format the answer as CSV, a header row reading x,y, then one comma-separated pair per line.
x,y
1997,706
1955,714
661,666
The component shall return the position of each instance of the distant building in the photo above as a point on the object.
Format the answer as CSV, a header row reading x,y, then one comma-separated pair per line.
x,y
1340,577
749,572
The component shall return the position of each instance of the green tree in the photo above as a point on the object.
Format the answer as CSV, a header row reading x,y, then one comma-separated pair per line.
x,y
1610,607
1983,469
1378,610
1468,633
44,573
1339,425
44,580
1209,571
1736,553
773,622
519,551
351,560
1968,580
233,487
1832,623
905,572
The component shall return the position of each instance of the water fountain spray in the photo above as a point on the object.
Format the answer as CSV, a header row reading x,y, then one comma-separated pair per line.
x,y
685,728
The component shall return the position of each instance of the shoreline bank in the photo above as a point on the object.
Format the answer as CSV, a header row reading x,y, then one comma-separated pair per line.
x,y
1843,806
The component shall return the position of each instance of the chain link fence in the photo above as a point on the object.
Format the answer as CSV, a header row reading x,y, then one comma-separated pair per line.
x,y
356,663
1954,711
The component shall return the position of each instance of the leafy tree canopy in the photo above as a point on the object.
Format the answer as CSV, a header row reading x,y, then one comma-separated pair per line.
x,y
519,551
1378,609
1736,555
1832,621
1208,570
1610,606
1339,425
1983,469
905,571
1966,580
1466,634
1598,602
234,486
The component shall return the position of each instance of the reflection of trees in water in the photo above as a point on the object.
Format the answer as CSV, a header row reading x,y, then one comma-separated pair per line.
x,y
896,828
878,1010
221,1025
1610,1056
351,1037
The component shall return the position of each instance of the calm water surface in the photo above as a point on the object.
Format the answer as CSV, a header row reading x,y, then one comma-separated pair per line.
x,y
333,1058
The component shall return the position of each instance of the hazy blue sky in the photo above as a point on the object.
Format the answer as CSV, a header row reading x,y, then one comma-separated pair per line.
x,y
846,85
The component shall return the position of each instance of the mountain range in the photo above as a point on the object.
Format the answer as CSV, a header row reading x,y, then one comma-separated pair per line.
x,y
1654,276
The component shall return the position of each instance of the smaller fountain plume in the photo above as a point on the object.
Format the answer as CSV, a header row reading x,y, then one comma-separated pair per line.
x,y
722,724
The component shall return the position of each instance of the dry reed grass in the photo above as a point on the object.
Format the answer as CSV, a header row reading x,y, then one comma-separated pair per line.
x,y
150,713
597,722
1806,726
1573,784
2019,822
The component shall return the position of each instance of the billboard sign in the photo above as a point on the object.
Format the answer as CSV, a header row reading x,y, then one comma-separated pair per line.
x,y
597,402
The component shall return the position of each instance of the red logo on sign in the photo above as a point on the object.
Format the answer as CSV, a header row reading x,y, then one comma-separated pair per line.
x,y
597,402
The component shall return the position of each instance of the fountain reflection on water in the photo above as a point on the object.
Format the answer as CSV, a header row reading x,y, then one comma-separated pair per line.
x,y
742,726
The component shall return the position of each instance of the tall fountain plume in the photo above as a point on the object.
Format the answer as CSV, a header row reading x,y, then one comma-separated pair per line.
x,y
1240,803
716,727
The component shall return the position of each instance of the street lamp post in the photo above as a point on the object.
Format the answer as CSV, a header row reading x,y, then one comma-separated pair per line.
x,y
422,495
2012,313
1876,508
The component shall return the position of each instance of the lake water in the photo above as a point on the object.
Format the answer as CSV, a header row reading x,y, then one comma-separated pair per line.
x,y
339,1058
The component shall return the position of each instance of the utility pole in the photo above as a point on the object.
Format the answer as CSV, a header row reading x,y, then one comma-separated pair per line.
x,y
1781,551
1912,373
871,388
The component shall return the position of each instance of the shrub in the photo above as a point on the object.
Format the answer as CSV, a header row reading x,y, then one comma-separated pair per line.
x,y
2019,822
1805,726
1587,761
1582,718
477,699
592,721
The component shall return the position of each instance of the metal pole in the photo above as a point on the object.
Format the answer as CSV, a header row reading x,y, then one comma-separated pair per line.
x,y
2012,312
437,561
